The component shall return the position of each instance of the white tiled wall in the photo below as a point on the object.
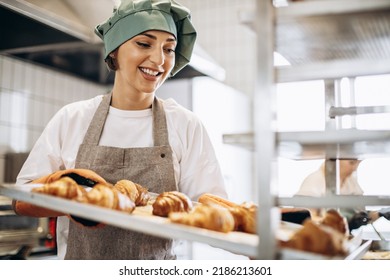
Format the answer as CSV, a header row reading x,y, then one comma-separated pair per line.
x,y
230,43
29,96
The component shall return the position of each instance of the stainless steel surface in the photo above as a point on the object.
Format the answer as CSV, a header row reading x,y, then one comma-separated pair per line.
x,y
357,110
334,201
360,252
54,20
332,70
344,144
304,38
332,177
357,254
61,36
380,245
377,232
264,137
331,39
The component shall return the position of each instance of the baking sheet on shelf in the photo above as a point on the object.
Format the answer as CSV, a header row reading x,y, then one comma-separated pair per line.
x,y
356,248
140,220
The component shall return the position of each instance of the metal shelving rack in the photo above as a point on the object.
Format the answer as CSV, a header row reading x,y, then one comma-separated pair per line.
x,y
323,40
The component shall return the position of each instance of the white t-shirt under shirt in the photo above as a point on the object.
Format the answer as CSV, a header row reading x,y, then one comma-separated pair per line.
x,y
196,167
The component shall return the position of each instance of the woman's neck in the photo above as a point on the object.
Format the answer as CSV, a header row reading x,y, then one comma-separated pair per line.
x,y
127,100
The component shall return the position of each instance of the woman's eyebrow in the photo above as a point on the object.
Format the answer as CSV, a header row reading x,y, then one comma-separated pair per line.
x,y
155,38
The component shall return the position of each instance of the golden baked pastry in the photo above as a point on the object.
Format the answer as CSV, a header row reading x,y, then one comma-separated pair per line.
x,y
172,201
208,198
333,219
206,216
135,192
317,238
244,215
64,187
109,197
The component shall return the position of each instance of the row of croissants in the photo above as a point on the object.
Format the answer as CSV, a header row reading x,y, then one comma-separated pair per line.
x,y
212,212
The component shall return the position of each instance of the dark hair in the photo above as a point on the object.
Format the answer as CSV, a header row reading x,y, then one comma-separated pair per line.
x,y
111,60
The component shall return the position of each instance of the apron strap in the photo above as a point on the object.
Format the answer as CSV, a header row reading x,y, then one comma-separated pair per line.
x,y
95,128
160,129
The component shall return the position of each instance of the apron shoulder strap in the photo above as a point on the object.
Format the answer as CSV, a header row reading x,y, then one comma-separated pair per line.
x,y
95,128
160,128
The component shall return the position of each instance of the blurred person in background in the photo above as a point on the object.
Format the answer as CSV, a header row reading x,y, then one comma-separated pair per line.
x,y
315,185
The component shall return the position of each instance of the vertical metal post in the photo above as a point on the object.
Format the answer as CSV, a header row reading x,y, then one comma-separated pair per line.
x,y
263,104
332,92
352,99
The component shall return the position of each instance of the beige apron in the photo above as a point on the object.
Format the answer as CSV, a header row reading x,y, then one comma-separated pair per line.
x,y
152,167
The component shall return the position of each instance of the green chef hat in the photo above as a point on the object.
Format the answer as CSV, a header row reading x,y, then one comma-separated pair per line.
x,y
137,16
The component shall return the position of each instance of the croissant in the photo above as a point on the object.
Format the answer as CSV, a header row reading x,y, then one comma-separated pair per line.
x,y
333,219
317,238
244,215
172,201
135,192
109,197
206,216
64,187
208,198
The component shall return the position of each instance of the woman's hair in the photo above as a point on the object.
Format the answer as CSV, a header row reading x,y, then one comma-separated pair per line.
x,y
111,61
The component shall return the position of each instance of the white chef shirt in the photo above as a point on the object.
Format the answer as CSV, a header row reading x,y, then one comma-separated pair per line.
x,y
195,164
314,185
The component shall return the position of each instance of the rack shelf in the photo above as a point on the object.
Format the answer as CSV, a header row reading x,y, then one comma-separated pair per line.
x,y
305,145
321,40
140,220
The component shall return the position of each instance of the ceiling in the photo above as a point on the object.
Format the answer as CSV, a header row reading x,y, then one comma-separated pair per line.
x,y
60,34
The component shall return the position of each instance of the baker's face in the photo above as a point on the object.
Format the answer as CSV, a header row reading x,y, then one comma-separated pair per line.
x,y
146,60
347,167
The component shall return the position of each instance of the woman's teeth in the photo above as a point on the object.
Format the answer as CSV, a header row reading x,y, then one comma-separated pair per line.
x,y
149,72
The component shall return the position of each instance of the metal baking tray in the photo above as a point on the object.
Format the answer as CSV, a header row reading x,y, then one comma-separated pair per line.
x,y
142,220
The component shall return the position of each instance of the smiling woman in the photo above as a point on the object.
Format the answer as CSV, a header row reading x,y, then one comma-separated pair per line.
x,y
130,133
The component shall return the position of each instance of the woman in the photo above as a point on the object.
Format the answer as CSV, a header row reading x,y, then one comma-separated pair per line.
x,y
315,185
129,133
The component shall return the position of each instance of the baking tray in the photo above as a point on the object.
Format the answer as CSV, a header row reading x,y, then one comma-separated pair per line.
x,y
356,247
142,220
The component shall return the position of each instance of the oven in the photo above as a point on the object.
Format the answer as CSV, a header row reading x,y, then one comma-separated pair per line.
x,y
18,232
21,236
